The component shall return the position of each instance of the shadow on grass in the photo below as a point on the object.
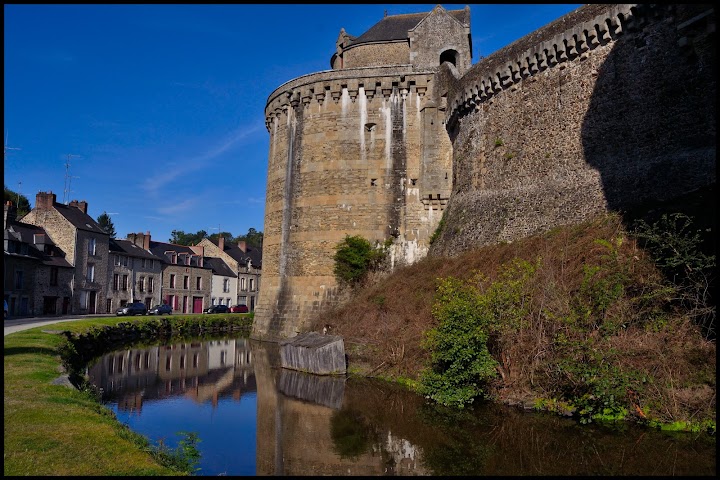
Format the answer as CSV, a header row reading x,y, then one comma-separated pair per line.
x,y
29,350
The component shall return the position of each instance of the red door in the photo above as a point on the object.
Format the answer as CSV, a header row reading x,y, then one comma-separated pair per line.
x,y
197,304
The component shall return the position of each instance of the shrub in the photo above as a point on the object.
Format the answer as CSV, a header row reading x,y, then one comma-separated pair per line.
x,y
355,257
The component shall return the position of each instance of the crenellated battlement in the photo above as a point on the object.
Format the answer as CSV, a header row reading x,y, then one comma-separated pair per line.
x,y
582,31
316,87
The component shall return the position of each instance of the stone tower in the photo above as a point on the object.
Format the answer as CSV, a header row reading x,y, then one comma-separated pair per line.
x,y
361,149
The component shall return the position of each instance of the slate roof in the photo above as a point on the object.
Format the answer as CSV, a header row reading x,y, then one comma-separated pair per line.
x,y
159,248
129,248
79,219
253,254
24,233
396,27
219,267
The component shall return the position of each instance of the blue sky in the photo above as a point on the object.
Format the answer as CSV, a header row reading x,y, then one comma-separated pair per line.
x,y
162,106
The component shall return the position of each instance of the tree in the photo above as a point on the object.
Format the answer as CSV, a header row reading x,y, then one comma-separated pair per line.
x,y
20,201
106,223
179,237
253,238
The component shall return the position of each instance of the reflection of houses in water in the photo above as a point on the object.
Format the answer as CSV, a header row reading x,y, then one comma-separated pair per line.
x,y
202,371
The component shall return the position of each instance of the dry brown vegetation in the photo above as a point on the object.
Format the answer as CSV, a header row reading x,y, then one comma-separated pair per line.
x,y
383,323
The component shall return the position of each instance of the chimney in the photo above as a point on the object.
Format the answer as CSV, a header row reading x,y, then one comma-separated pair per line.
x,y
241,246
10,213
44,201
146,241
221,243
81,205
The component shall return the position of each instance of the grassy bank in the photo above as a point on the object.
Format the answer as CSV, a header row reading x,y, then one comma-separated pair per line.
x,y
53,429
580,321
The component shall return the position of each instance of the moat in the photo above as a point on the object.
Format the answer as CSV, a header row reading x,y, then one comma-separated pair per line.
x,y
254,418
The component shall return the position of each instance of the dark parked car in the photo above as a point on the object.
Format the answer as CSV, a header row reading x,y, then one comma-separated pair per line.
x,y
160,310
135,308
217,309
239,309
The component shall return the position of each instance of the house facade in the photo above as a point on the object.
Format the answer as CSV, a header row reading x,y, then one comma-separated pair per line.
x,y
186,280
243,259
135,274
36,277
224,282
85,244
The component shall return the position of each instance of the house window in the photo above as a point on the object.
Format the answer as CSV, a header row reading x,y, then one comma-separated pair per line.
x,y
151,263
226,285
151,284
125,261
125,282
198,283
91,246
90,272
141,284
242,284
212,301
242,300
117,260
172,280
83,299
142,262
18,279
116,282
54,276
186,282
252,284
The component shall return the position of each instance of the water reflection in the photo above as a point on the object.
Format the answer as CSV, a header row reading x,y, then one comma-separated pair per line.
x,y
254,418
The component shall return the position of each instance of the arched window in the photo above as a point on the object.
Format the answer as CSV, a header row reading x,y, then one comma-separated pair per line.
x,y
449,56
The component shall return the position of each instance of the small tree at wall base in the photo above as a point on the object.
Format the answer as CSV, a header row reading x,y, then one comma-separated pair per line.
x,y
354,258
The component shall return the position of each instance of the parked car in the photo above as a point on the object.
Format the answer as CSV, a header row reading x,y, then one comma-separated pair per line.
x,y
160,310
239,309
217,309
135,308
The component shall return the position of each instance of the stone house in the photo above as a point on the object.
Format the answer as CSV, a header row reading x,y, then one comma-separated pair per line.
x,y
224,282
86,247
186,280
243,259
36,277
135,274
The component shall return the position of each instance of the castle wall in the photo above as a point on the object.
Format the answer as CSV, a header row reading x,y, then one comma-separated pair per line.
x,y
373,54
346,158
610,108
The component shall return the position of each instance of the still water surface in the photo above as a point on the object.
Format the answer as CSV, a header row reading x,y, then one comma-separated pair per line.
x,y
254,418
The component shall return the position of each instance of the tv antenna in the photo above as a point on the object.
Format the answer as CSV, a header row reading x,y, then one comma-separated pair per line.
x,y
68,178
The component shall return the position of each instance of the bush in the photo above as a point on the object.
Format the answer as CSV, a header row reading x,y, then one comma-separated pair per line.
x,y
355,257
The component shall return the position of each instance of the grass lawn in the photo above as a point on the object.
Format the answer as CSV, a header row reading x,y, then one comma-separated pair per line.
x,y
56,430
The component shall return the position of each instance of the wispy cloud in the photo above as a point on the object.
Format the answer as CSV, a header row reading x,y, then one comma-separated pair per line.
x,y
176,208
197,162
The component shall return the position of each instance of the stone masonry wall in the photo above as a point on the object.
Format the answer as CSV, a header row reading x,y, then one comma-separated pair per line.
x,y
624,116
397,53
346,158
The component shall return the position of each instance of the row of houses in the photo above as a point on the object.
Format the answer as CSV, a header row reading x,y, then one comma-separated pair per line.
x,y
59,261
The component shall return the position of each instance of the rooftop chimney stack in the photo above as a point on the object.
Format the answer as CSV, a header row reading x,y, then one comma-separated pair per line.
x,y
10,213
45,200
221,243
241,246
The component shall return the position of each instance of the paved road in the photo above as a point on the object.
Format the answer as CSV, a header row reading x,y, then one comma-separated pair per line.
x,y
13,325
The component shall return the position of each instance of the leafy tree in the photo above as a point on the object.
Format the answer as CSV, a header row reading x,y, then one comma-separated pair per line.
x,y
179,237
20,201
106,223
253,238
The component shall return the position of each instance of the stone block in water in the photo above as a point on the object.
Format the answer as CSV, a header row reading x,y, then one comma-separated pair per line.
x,y
314,353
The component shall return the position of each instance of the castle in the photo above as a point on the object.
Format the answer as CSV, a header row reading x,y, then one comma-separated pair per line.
x,y
610,107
